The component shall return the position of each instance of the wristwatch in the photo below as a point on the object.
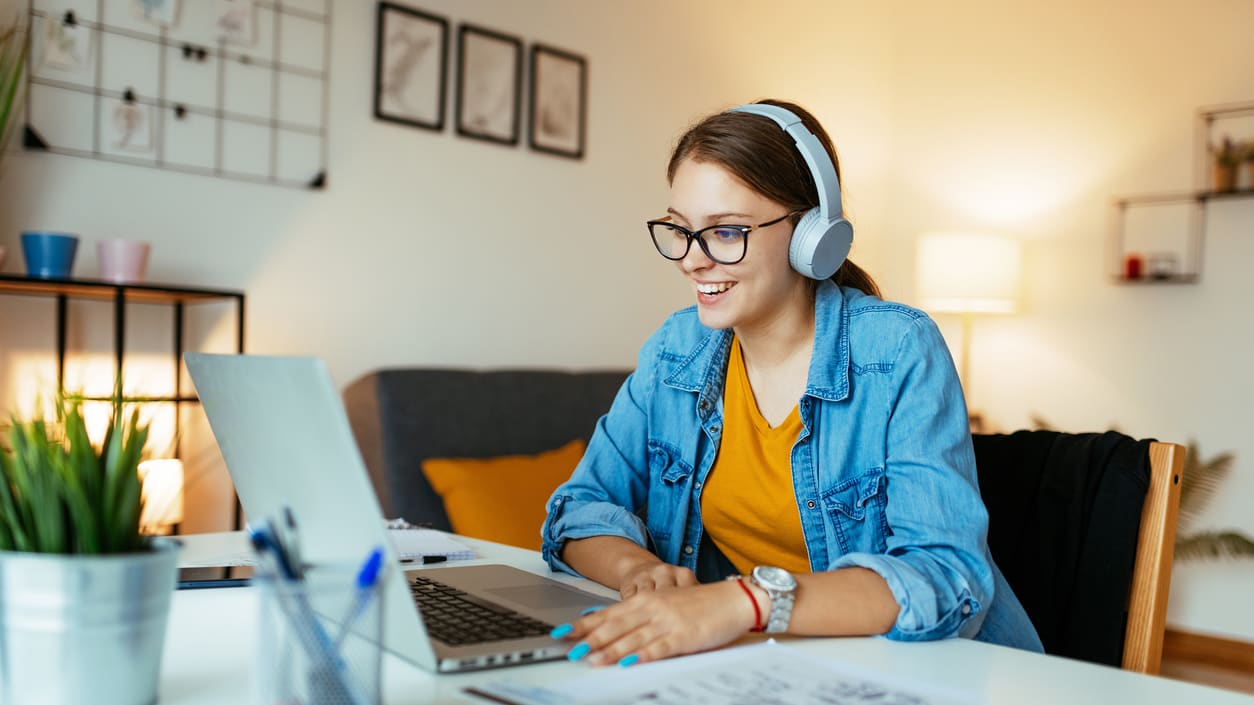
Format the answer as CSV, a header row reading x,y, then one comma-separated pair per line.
x,y
782,589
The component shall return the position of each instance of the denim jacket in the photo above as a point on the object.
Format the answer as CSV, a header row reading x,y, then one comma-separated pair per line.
x,y
883,470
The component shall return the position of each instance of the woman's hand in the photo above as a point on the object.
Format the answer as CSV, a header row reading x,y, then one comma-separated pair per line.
x,y
651,575
655,624
621,564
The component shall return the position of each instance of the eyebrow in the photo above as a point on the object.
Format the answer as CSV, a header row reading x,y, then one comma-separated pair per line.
x,y
714,216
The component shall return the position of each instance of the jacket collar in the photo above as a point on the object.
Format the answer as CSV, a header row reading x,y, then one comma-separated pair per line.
x,y
702,367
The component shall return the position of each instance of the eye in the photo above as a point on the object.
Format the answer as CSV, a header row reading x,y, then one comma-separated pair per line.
x,y
728,234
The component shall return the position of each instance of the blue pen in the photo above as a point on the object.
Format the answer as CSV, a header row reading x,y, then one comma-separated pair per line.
x,y
367,579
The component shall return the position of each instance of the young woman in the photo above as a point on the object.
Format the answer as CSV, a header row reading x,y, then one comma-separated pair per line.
x,y
791,432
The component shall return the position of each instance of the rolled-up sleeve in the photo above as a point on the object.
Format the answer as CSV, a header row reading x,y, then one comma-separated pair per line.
x,y
609,488
936,561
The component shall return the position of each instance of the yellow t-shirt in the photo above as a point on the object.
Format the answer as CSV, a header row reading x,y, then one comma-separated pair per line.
x,y
748,506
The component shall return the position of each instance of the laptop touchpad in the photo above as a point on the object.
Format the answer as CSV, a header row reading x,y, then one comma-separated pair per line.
x,y
546,597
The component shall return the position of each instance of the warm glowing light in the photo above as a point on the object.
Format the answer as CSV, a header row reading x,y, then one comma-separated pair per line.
x,y
162,494
33,381
963,273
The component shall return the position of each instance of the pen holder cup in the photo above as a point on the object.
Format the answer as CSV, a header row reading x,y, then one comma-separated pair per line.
x,y
321,639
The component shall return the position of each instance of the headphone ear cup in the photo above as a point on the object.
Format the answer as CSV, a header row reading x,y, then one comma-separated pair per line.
x,y
818,248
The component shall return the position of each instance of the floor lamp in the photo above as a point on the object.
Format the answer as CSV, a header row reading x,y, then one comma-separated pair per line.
x,y
968,275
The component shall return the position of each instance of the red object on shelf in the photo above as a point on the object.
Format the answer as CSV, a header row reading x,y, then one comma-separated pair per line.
x,y
1133,266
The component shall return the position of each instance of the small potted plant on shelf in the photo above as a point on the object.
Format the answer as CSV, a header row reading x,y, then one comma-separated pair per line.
x,y
84,596
1228,156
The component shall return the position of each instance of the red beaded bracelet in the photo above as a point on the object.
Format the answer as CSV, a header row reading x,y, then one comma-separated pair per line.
x,y
757,611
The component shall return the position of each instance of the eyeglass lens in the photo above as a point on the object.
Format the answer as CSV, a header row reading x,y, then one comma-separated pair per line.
x,y
725,245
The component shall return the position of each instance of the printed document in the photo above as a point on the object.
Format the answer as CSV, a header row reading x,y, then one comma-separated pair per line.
x,y
762,674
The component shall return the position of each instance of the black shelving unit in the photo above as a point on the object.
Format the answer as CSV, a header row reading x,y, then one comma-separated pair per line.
x,y
121,295
1198,199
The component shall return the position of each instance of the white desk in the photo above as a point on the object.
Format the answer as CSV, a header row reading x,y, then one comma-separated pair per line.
x,y
212,638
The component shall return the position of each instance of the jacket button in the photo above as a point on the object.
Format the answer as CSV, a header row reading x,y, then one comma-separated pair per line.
x,y
810,504
714,428
703,405
688,550
966,609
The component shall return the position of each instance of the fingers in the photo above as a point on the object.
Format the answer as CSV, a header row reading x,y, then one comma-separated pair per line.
x,y
614,636
656,576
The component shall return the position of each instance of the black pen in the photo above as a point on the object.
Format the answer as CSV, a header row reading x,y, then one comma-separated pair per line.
x,y
428,560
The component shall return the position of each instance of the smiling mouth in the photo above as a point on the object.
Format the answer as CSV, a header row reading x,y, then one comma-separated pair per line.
x,y
714,289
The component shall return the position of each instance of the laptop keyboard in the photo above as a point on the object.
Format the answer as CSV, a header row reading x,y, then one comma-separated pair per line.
x,y
458,618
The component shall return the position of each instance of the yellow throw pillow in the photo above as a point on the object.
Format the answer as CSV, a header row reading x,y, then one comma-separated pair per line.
x,y
501,499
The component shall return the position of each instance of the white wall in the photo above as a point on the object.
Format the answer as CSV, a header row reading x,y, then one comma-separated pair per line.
x,y
1025,119
1028,119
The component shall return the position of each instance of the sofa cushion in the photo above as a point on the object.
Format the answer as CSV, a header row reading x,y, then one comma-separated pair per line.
x,y
402,417
501,499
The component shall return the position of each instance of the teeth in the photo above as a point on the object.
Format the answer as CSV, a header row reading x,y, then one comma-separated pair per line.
x,y
715,288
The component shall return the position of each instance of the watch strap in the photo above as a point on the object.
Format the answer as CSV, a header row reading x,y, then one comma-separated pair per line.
x,y
781,606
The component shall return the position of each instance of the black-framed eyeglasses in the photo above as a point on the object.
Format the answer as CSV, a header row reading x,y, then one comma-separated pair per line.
x,y
725,244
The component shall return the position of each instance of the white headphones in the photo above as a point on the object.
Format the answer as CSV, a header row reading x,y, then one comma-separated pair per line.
x,y
822,238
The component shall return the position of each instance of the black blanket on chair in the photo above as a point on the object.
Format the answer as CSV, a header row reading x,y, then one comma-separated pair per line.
x,y
1064,515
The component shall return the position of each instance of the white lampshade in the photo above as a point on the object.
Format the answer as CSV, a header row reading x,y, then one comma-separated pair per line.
x,y
163,494
963,273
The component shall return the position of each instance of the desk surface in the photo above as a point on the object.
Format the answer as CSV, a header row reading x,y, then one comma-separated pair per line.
x,y
212,638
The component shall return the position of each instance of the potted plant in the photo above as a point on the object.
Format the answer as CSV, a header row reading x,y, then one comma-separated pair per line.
x,y
14,47
1228,157
84,597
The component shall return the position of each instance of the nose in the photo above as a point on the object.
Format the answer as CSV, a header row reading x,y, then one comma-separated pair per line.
x,y
695,260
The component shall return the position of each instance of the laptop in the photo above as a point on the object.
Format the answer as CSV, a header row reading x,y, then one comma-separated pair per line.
x,y
283,432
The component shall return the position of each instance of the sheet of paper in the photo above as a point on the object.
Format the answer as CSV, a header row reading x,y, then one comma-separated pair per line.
x,y
761,674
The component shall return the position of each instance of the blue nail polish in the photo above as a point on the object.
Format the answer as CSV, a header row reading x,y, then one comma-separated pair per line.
x,y
628,660
594,608
581,649
561,630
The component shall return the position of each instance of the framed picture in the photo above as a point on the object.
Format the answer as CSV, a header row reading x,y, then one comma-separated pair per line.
x,y
489,84
558,101
410,58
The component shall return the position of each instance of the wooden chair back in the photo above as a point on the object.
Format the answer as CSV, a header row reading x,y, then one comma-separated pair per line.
x,y
1155,548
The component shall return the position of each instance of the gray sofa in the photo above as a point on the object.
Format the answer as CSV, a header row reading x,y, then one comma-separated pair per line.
x,y
401,417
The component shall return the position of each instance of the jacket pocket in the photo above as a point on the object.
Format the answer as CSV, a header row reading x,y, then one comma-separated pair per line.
x,y
666,496
857,509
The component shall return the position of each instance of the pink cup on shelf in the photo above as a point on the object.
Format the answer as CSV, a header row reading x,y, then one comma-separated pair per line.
x,y
123,261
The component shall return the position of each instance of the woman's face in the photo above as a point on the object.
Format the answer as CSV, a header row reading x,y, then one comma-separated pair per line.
x,y
751,293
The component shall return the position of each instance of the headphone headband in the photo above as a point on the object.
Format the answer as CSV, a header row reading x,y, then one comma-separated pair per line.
x,y
816,157
822,237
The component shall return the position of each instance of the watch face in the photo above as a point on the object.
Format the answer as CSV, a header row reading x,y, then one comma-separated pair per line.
x,y
774,578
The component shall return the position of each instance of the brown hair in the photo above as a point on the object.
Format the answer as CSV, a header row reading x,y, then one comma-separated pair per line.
x,y
757,152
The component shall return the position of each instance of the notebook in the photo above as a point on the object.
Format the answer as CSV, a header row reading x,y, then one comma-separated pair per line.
x,y
286,440
420,545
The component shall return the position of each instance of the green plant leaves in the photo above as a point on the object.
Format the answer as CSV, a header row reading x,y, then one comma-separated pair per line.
x,y
1201,480
58,494
14,45
1214,544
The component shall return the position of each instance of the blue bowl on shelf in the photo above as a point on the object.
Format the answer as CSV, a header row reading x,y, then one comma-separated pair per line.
x,y
49,255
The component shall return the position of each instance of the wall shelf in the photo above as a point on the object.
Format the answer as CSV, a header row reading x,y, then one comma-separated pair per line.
x,y
1182,264
121,295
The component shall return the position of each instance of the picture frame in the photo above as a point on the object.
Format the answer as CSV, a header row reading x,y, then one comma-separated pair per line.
x,y
558,102
411,59
489,84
